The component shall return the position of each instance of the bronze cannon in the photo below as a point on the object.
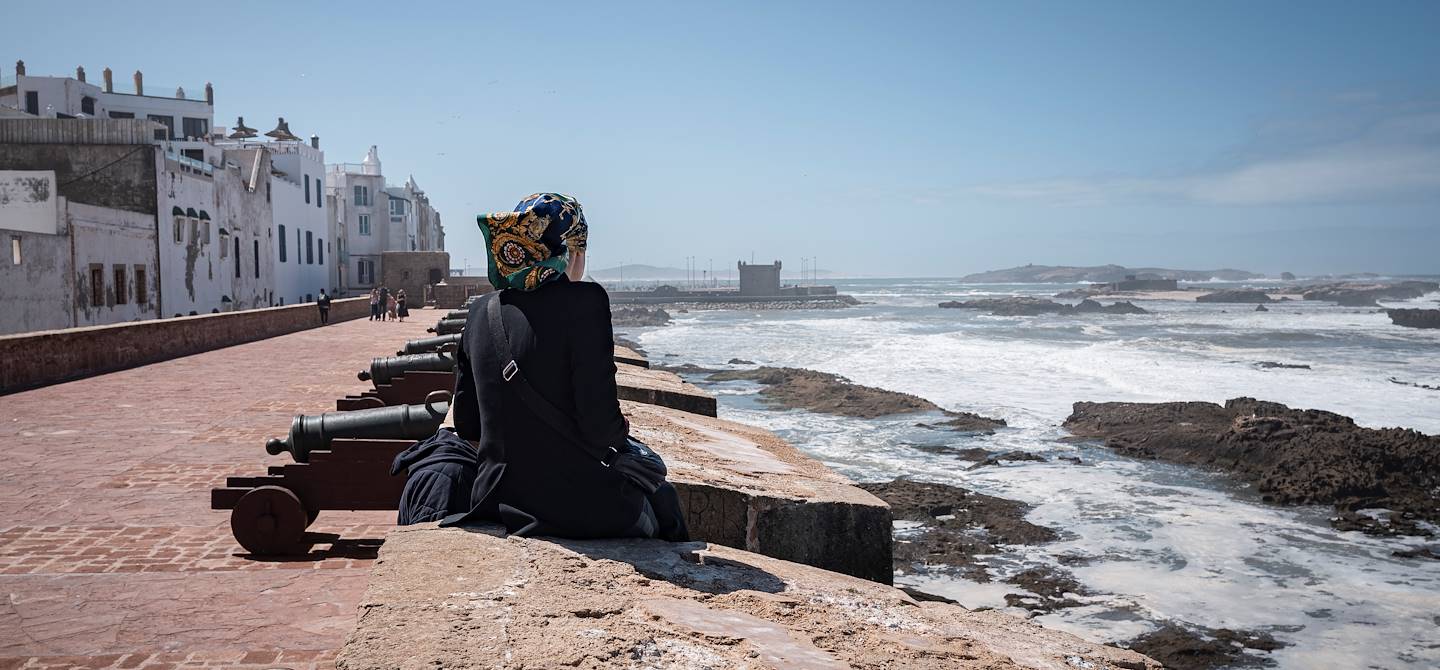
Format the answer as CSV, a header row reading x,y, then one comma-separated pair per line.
x,y
386,368
311,432
429,344
447,326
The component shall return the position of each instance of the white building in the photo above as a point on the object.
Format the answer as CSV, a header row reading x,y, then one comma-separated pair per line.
x,y
371,218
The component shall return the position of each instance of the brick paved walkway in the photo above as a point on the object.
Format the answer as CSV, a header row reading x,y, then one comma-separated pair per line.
x,y
110,556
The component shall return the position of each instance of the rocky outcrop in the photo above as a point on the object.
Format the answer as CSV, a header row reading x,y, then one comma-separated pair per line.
x,y
452,598
638,316
1206,648
1028,306
1415,318
1236,296
1291,456
1354,294
796,388
966,422
1069,274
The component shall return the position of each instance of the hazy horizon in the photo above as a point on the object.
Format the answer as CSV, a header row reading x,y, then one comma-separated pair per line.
x,y
926,139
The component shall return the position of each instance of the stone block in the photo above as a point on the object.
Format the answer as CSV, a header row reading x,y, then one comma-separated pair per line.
x,y
456,598
660,387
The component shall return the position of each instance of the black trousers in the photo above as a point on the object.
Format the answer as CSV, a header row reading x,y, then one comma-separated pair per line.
x,y
324,315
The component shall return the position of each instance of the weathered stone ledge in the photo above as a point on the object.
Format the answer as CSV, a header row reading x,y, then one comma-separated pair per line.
x,y
457,598
660,387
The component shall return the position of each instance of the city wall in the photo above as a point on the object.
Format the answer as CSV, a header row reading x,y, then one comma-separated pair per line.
x,y
30,360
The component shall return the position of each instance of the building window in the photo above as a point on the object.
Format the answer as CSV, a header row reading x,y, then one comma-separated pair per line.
x,y
224,242
256,249
364,224
194,229
237,256
320,254
195,128
397,207
120,284
309,248
97,285
32,102
87,105
122,115
168,121
297,246
282,243
179,229
14,249
306,179
142,290
319,199
366,270
362,196
205,228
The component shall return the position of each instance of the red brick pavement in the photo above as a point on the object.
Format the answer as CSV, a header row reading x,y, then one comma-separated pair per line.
x,y
110,556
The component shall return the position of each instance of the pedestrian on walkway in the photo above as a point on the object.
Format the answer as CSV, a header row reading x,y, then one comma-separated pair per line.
x,y
400,309
392,307
374,304
384,302
324,303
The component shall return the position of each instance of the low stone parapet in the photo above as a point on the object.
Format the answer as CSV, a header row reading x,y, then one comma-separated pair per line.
x,y
746,488
661,387
456,598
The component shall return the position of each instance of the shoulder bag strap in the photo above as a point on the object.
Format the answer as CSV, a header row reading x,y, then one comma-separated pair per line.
x,y
548,412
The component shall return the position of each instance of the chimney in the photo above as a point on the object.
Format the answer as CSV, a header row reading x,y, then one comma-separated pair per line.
x,y
80,73
109,80
314,141
19,68
139,83
209,94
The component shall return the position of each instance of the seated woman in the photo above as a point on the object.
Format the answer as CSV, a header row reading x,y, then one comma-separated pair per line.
x,y
538,472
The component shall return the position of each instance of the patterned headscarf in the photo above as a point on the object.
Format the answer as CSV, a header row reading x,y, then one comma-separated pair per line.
x,y
532,245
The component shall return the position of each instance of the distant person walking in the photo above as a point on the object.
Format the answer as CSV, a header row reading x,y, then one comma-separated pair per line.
x,y
392,307
323,302
400,309
374,304
384,302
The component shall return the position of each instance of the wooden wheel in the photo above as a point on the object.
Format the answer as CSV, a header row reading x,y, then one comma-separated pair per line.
x,y
268,520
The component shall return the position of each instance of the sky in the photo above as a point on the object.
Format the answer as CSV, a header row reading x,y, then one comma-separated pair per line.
x,y
880,138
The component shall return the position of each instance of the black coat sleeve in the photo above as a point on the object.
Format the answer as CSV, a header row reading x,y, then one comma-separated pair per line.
x,y
467,407
592,359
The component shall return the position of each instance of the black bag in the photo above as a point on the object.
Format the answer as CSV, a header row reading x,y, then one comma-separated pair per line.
x,y
440,472
638,463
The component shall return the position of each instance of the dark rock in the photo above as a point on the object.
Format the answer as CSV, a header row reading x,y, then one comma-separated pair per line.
x,y
638,316
965,422
1007,456
1301,457
1422,552
1028,306
1052,586
796,388
1418,385
1261,308
953,541
1287,276
968,454
1351,294
926,597
1204,648
1272,365
1415,318
684,369
1236,295
740,361
628,344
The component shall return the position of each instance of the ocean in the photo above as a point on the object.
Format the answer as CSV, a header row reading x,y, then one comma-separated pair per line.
x,y
1163,542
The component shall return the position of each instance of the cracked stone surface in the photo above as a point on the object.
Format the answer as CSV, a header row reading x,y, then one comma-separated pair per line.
x,y
456,598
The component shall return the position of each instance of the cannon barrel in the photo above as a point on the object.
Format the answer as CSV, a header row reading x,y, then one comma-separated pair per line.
x,y
429,344
448,326
457,314
310,432
386,368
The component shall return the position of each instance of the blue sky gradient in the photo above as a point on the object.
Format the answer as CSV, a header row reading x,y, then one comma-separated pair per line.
x,y
888,139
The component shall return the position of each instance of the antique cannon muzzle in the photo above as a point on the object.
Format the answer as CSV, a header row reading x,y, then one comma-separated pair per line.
x,y
311,432
457,314
386,368
429,344
447,326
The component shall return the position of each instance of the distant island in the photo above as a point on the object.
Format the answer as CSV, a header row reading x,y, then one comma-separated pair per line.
x,y
1067,274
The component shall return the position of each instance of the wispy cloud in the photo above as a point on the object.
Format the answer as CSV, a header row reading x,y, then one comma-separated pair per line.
x,y
1398,158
